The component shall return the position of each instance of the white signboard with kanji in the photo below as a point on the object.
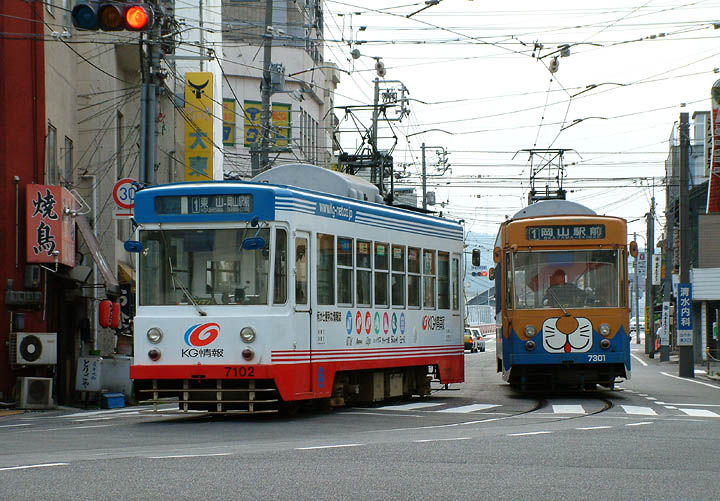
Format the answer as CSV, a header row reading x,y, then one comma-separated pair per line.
x,y
684,315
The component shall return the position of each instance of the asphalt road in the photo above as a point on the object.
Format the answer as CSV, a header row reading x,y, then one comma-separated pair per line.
x,y
654,437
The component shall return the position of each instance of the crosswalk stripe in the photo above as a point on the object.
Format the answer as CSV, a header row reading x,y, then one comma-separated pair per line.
x,y
469,408
700,413
568,409
411,406
643,411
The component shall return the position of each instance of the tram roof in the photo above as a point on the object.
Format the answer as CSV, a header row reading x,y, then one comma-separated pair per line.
x,y
554,208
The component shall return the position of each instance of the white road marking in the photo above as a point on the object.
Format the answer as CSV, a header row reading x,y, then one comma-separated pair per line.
x,y
442,439
643,362
469,408
691,405
409,407
670,407
568,409
64,428
690,380
529,433
326,447
595,428
700,413
190,456
634,409
650,398
32,466
641,423
13,425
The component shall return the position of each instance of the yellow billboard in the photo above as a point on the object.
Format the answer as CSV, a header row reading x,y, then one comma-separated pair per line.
x,y
280,121
228,122
198,126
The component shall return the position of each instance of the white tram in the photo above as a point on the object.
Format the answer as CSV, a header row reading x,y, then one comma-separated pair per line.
x,y
254,294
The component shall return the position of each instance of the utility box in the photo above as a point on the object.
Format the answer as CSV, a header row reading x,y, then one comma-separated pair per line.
x,y
112,400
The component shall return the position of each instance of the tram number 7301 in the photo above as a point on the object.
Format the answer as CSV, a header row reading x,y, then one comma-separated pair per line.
x,y
596,358
239,371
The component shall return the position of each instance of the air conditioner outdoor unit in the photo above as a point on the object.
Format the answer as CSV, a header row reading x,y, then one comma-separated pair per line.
x,y
35,393
33,348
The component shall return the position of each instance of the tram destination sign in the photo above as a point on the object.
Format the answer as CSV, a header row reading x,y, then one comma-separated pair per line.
x,y
566,232
204,204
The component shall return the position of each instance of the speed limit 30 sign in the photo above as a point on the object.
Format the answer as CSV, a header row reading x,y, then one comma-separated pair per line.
x,y
124,196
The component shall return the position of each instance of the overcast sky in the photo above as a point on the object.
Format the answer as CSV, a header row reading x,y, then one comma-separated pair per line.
x,y
483,69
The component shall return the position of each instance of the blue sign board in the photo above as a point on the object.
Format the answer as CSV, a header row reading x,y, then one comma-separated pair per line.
x,y
684,315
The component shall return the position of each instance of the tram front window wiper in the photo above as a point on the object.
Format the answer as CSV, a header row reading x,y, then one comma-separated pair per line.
x,y
177,284
552,294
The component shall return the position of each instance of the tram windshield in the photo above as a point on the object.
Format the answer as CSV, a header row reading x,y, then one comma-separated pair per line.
x,y
208,266
566,279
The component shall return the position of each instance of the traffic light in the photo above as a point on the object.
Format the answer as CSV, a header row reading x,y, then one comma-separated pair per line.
x,y
476,257
108,15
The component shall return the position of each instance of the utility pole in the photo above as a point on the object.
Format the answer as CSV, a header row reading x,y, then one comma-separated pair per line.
x,y
259,154
637,293
687,364
374,134
148,105
649,289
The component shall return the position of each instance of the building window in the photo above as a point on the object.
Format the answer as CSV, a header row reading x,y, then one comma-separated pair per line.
x,y
66,176
52,174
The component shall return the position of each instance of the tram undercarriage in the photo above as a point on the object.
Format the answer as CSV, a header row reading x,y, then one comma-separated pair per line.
x,y
261,396
571,376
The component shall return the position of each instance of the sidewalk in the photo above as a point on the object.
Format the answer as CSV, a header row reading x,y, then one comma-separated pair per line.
x,y
701,367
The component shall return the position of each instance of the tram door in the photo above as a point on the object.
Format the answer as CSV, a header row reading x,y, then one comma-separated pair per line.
x,y
303,383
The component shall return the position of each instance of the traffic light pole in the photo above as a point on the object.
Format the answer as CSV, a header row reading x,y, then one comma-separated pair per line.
x,y
148,107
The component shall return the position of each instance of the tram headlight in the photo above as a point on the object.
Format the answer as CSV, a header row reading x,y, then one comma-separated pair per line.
x,y
247,334
604,330
530,331
154,335
154,354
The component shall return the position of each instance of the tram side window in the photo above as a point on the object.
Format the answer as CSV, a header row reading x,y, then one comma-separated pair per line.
x,y
443,280
398,276
413,277
455,284
301,271
363,273
344,270
325,269
428,278
508,282
280,274
381,274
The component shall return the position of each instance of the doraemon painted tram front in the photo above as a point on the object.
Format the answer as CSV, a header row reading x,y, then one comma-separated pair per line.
x,y
251,294
561,285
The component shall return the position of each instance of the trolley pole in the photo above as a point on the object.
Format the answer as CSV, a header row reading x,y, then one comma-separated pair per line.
x,y
687,363
637,293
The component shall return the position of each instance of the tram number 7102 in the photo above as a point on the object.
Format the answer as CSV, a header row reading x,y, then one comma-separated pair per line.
x,y
239,371
596,358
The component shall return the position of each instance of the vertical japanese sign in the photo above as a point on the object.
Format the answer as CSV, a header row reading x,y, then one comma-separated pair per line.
x,y
641,264
50,227
88,375
684,315
280,135
656,269
713,200
228,122
665,319
198,126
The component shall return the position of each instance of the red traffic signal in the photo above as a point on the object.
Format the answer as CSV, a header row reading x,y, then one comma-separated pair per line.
x,y
110,15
